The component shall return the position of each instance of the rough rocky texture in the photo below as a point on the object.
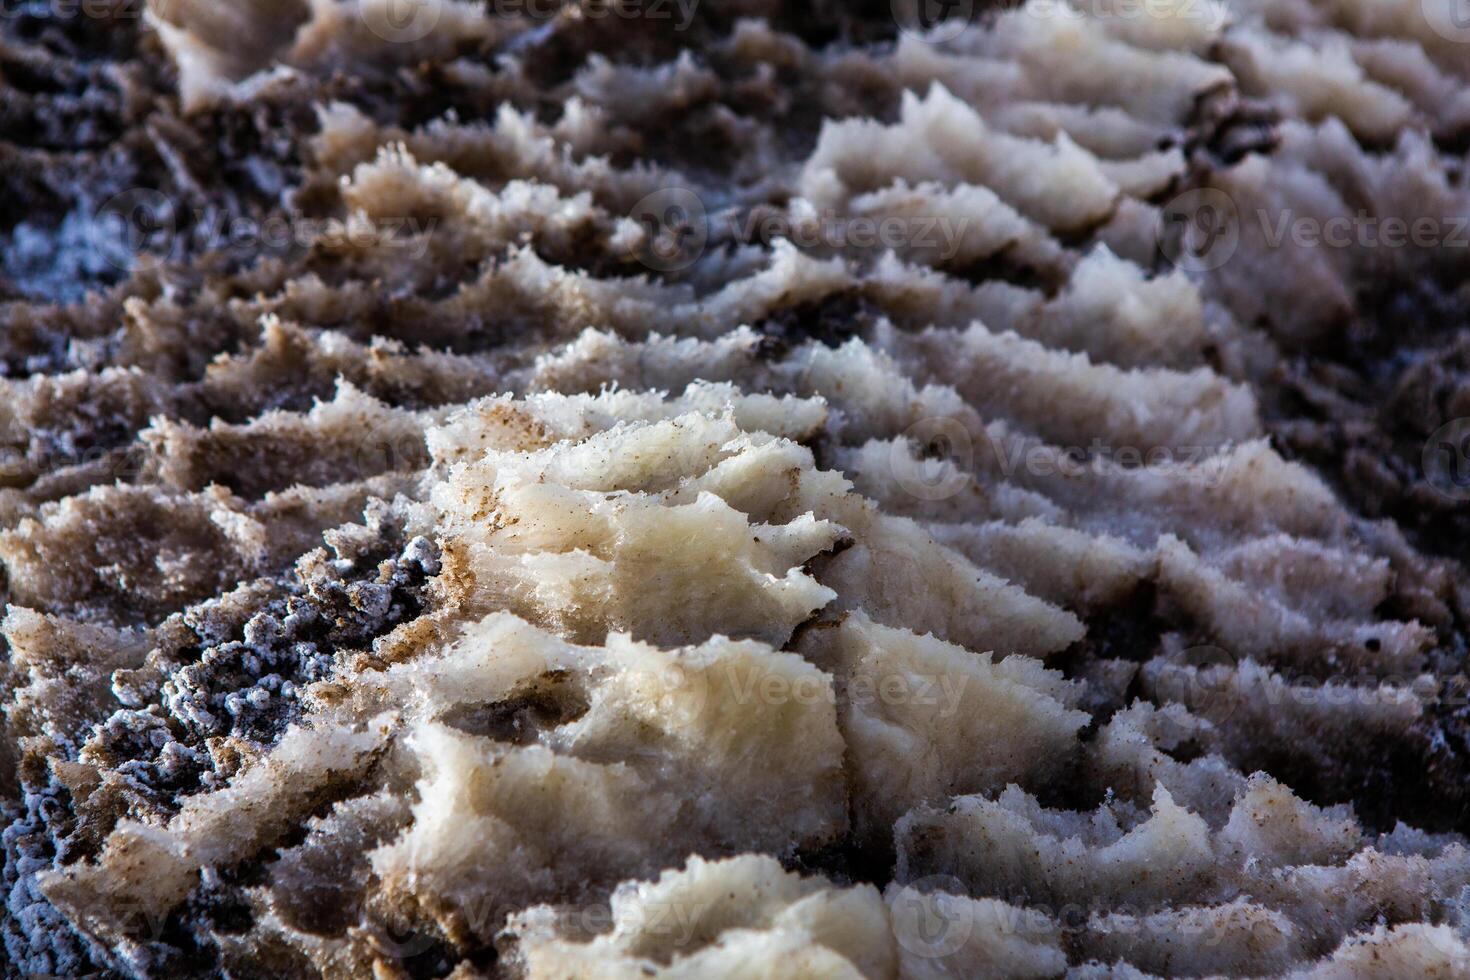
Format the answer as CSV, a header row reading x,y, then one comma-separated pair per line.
x,y
736,490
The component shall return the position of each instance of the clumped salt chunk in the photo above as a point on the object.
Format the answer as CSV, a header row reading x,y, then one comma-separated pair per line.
x,y
737,917
915,709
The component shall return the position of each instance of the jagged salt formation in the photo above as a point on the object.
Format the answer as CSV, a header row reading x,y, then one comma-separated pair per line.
x,y
463,590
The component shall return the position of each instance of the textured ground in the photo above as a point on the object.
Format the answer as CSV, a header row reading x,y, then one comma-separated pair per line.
x,y
734,490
